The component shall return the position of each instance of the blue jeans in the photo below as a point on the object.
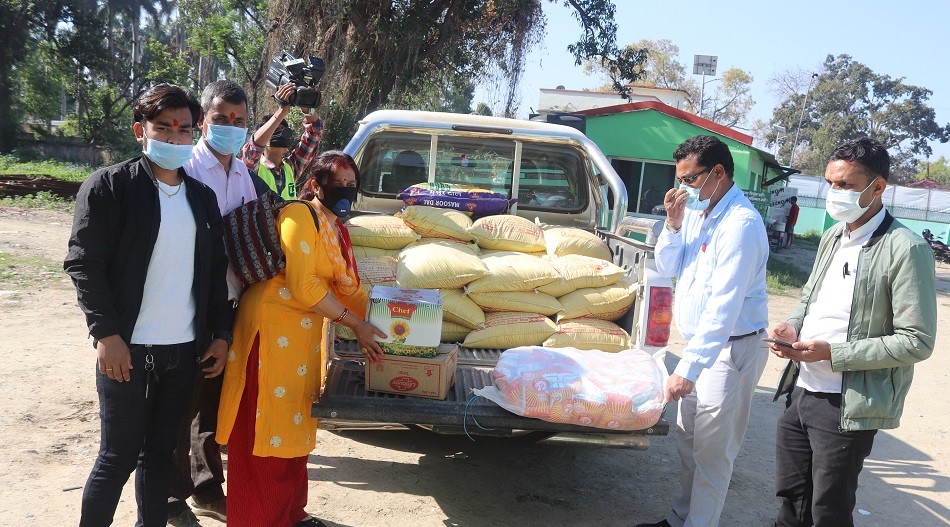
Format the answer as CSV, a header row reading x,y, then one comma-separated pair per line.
x,y
139,433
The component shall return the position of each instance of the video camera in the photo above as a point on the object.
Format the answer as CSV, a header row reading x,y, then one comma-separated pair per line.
x,y
286,68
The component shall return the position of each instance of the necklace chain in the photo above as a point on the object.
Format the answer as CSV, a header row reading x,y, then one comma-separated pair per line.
x,y
169,194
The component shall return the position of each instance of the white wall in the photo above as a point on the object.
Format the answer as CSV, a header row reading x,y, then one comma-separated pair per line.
x,y
575,100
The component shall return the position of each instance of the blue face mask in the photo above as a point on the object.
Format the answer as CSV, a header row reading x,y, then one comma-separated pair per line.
x,y
339,199
225,139
692,195
167,155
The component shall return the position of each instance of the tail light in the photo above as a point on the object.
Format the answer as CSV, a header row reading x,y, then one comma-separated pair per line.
x,y
659,316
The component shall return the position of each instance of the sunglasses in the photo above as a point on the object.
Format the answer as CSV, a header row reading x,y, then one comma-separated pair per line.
x,y
688,180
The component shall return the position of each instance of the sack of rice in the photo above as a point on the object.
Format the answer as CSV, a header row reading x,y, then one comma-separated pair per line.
x,y
379,270
521,302
460,309
464,198
589,334
606,303
505,231
371,252
437,267
446,242
509,330
492,252
380,231
437,223
513,271
452,332
578,271
562,241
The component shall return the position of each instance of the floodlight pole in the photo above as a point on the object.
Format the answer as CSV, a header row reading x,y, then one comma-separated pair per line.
x,y
791,155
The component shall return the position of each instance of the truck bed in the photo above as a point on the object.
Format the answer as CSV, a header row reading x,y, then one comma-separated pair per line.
x,y
345,399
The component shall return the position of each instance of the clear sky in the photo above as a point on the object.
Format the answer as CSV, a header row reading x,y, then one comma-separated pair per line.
x,y
907,39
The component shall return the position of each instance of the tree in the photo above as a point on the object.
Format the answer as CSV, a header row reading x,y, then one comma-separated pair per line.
x,y
849,100
381,52
938,170
729,104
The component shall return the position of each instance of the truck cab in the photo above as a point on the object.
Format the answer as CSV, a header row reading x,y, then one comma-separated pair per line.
x,y
553,174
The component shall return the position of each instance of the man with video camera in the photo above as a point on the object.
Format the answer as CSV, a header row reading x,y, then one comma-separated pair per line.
x,y
274,139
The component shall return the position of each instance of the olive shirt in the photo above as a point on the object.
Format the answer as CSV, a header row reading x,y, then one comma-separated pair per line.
x,y
893,322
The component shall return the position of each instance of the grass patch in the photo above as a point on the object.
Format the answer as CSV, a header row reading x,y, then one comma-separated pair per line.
x,y
21,271
781,276
40,200
13,165
808,238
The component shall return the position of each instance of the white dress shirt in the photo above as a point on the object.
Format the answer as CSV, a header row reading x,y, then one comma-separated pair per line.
x,y
829,312
232,188
719,261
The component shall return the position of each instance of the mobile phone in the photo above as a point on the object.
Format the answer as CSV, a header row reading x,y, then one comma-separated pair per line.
x,y
778,343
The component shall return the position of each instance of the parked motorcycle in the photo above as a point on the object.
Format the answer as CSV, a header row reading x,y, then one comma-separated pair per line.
x,y
941,251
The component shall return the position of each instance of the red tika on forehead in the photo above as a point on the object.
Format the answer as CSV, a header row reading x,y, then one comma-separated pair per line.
x,y
174,122
232,116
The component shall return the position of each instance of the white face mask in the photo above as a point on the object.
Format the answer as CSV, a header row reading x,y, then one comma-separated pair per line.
x,y
844,205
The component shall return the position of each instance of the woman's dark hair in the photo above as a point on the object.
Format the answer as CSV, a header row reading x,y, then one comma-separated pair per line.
x,y
323,168
867,152
161,97
228,91
709,151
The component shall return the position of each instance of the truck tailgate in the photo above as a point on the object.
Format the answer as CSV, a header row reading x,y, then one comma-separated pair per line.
x,y
345,398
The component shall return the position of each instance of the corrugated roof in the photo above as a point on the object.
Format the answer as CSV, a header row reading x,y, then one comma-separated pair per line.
x,y
672,112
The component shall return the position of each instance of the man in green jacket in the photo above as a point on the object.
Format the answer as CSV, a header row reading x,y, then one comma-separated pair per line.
x,y
868,313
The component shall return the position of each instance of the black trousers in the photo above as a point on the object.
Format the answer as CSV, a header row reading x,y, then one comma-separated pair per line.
x,y
816,463
198,470
138,433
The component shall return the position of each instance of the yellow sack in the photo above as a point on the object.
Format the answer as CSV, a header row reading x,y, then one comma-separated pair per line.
x,y
562,241
460,309
372,252
521,302
437,223
452,332
493,252
589,334
606,303
445,242
578,271
513,271
379,231
437,267
508,232
378,270
510,330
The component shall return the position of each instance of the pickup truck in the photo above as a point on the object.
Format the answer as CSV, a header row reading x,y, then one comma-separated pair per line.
x,y
563,179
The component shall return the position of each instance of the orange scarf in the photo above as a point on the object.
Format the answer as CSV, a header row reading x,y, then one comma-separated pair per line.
x,y
346,280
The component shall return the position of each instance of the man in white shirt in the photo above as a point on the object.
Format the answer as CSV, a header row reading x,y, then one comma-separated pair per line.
x,y
715,244
868,313
199,469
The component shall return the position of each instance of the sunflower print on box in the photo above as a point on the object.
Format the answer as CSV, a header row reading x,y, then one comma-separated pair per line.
x,y
412,319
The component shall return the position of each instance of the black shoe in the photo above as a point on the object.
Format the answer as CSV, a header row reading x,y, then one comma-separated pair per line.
x,y
662,523
310,522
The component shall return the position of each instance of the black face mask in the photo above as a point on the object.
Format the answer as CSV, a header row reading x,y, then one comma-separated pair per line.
x,y
338,199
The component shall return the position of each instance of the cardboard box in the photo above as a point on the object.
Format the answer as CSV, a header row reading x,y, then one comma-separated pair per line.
x,y
412,319
417,376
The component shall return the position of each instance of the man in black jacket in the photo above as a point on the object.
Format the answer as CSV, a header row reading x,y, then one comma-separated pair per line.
x,y
147,258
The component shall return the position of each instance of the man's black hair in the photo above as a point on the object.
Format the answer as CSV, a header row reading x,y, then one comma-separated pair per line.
x,y
228,91
709,151
867,152
793,199
155,100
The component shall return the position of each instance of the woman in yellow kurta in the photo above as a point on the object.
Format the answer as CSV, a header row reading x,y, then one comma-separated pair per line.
x,y
275,367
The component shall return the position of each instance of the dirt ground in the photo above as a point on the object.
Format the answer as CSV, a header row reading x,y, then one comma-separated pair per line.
x,y
49,438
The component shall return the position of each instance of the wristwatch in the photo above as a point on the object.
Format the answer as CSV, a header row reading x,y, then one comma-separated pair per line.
x,y
226,336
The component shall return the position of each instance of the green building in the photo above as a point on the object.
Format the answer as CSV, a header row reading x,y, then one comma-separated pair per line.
x,y
639,139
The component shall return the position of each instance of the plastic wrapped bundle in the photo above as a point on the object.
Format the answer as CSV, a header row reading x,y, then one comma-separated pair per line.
x,y
614,391
464,198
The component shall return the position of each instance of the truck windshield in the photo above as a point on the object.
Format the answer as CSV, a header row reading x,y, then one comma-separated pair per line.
x,y
551,176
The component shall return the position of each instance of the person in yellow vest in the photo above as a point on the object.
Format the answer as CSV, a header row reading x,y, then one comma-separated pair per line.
x,y
269,153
